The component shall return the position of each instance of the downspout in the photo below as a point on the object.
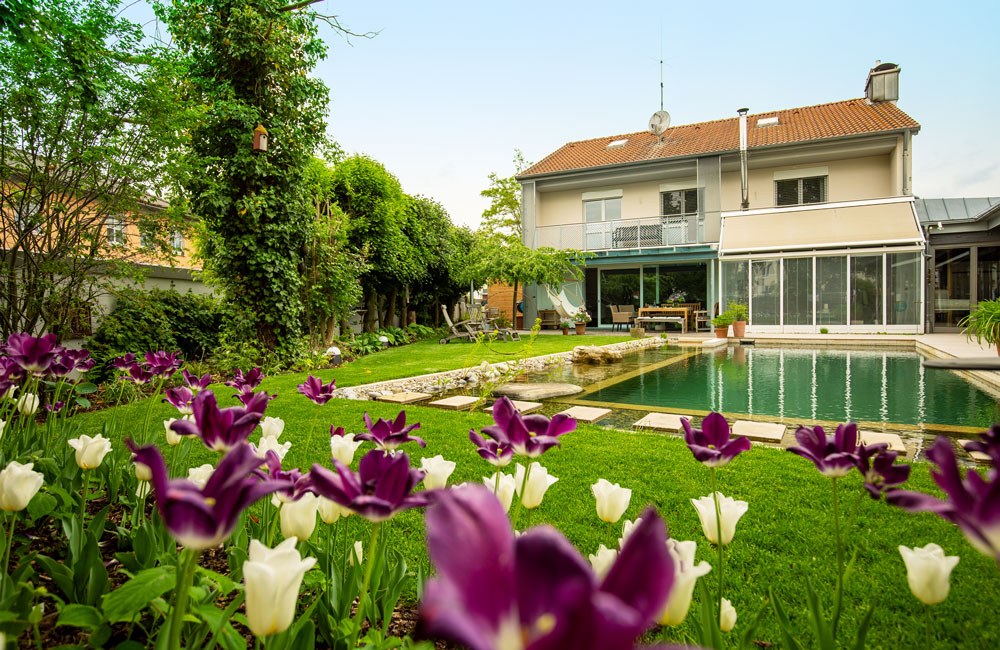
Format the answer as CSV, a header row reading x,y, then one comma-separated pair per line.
x,y
907,162
744,181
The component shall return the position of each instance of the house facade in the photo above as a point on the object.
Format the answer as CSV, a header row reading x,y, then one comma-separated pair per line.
x,y
806,215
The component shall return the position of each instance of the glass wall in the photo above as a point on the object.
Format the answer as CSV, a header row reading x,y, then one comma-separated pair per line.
x,y
831,291
798,292
765,281
903,287
952,285
618,287
988,273
735,283
866,290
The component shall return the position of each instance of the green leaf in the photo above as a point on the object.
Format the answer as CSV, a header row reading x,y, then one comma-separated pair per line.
x,y
125,603
859,638
82,402
225,584
788,638
79,615
823,632
41,505
85,388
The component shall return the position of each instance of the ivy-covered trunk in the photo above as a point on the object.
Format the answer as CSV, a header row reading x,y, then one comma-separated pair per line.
x,y
371,311
390,309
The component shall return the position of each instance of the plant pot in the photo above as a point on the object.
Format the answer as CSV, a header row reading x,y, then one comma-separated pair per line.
x,y
721,332
565,331
581,329
739,328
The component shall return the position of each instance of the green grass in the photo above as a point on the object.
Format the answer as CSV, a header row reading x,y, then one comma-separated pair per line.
x,y
785,537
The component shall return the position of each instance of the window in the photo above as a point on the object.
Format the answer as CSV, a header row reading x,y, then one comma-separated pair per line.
x,y
177,240
680,202
28,218
800,191
115,231
595,212
146,239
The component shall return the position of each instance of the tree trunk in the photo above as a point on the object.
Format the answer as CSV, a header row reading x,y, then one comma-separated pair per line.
x,y
437,313
371,311
346,332
331,331
513,311
390,308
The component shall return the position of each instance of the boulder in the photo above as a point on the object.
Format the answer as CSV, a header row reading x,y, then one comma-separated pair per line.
x,y
595,354
535,392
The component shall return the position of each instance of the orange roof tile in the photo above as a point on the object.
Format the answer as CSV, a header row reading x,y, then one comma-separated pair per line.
x,y
849,117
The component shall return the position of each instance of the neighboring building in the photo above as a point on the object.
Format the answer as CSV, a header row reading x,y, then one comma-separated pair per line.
x,y
964,249
811,223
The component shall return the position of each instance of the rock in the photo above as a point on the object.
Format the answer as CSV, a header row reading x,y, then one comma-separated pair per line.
x,y
595,354
535,392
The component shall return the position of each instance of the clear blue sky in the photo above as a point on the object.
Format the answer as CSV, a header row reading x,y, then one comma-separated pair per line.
x,y
447,90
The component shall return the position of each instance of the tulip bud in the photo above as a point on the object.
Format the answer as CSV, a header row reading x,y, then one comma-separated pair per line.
x,y
437,470
357,553
331,511
270,426
928,570
3,425
727,616
538,483
298,518
612,500
730,512
343,447
686,573
200,475
627,529
18,484
507,487
270,443
602,560
90,451
27,404
142,472
272,578
173,437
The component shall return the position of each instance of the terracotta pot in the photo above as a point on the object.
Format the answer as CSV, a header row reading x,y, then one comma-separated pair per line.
x,y
581,328
721,332
565,331
739,328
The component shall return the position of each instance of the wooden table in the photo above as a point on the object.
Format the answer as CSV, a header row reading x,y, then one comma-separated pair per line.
x,y
667,311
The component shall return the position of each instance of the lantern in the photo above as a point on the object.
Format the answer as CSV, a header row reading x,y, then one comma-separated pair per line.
x,y
260,138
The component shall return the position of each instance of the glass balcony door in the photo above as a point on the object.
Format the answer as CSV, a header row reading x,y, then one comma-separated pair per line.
x,y
952,286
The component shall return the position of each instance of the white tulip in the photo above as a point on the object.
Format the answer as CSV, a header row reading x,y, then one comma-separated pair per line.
x,y
172,438
602,560
507,487
612,500
727,616
270,443
27,404
270,426
437,471
11,392
627,529
142,472
298,518
928,570
90,451
538,483
331,511
3,425
273,578
686,573
343,447
357,553
200,475
730,512
18,484
143,490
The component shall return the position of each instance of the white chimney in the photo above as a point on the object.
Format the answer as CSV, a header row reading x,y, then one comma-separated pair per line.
x,y
744,179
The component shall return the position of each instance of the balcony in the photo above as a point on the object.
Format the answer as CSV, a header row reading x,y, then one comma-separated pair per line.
x,y
624,234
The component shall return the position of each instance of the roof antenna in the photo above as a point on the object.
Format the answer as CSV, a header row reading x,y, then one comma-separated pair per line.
x,y
661,65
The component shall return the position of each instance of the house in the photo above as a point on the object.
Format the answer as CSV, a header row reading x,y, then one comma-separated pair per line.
x,y
805,214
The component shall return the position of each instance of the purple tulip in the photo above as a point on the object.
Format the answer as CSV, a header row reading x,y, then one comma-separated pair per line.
x,y
988,443
388,435
180,398
496,453
220,429
711,444
55,408
536,591
248,382
196,383
200,519
298,483
33,354
380,489
139,374
10,370
123,362
249,397
163,364
972,503
316,390
527,435
876,465
834,458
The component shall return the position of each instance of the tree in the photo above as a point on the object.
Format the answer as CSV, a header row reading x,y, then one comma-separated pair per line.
x,y
80,162
249,65
502,218
446,250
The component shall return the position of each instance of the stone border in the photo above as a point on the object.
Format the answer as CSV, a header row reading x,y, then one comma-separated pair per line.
x,y
440,382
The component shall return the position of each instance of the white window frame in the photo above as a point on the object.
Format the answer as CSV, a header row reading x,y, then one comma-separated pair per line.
x,y
114,231
177,241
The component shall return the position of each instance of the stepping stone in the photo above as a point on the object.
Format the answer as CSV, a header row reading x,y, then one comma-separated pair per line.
x,y
872,438
456,403
977,456
659,422
522,407
532,392
763,431
404,398
714,343
586,413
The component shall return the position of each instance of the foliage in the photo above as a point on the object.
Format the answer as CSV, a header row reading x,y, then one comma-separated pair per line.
x,y
502,219
74,154
725,319
739,311
446,249
248,65
983,323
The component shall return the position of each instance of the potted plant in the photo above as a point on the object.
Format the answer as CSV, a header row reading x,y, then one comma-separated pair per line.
x,y
983,323
581,318
721,324
565,325
740,313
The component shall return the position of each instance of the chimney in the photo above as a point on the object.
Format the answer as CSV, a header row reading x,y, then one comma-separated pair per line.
x,y
744,183
882,84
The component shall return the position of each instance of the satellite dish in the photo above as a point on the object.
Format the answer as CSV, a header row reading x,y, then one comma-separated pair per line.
x,y
659,122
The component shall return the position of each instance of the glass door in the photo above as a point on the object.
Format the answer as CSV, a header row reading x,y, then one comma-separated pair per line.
x,y
765,293
619,287
952,286
866,290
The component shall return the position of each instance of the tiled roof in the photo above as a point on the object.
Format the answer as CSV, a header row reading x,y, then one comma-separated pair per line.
x,y
850,117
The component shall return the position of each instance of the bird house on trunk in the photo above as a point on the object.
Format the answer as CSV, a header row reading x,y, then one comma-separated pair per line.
x,y
260,138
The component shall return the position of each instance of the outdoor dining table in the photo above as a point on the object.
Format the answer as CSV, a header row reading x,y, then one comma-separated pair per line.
x,y
668,311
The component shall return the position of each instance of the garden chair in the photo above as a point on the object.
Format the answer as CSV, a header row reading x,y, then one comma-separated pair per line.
x,y
620,317
464,330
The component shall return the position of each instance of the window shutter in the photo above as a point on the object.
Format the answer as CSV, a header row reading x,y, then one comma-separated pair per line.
x,y
786,192
813,189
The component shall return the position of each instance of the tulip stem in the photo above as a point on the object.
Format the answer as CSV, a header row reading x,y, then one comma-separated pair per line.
x,y
718,542
312,428
369,566
149,409
274,524
516,519
83,499
8,542
930,627
840,559
187,562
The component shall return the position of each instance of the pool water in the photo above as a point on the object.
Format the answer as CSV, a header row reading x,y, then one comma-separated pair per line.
x,y
890,388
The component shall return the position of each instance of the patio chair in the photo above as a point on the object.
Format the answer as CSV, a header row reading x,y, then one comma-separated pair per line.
x,y
465,330
702,321
621,317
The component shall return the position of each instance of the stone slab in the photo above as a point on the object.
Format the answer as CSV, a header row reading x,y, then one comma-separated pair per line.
x,y
763,431
586,413
455,403
659,422
714,343
873,438
533,392
522,407
977,456
404,398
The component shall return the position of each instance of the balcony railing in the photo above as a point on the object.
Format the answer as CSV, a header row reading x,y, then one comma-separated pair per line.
x,y
624,234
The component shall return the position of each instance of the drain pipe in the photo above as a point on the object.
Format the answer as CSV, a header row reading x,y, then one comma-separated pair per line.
x,y
743,158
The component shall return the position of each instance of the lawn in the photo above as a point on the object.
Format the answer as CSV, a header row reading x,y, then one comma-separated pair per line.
x,y
785,537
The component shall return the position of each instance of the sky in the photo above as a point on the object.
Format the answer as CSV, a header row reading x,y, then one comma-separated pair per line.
x,y
446,91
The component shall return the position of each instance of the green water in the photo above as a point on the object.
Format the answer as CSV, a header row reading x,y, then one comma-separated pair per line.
x,y
828,384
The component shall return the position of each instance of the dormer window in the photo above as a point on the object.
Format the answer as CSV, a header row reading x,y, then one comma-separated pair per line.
x,y
767,121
